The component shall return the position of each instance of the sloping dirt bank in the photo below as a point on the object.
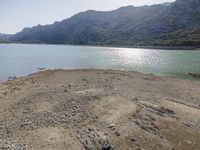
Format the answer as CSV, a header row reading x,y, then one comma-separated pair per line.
x,y
99,110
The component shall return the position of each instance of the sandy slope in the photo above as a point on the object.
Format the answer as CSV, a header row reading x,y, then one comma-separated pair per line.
x,y
99,109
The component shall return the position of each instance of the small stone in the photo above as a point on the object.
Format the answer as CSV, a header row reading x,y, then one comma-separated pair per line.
x,y
117,133
135,98
25,111
134,140
5,93
106,147
189,142
90,129
111,126
106,134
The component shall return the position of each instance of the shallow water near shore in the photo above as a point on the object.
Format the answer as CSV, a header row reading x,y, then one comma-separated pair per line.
x,y
23,59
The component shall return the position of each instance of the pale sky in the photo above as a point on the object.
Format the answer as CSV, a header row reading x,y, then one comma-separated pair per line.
x,y
17,14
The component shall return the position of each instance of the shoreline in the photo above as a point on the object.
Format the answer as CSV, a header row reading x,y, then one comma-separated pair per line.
x,y
189,77
196,48
99,109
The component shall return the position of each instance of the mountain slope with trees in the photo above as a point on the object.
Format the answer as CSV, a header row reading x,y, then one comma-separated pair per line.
x,y
169,24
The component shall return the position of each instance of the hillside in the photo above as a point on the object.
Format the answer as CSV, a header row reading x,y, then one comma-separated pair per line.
x,y
171,24
4,37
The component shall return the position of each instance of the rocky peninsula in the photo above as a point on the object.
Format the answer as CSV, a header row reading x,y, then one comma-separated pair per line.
x,y
99,110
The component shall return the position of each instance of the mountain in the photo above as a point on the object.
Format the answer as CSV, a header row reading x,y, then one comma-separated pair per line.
x,y
168,24
4,37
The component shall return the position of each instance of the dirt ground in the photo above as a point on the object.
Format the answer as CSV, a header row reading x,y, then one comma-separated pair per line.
x,y
99,110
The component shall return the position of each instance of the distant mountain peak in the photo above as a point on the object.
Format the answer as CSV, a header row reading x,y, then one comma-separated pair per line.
x,y
127,7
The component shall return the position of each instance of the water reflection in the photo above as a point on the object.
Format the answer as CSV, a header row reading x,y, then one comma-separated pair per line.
x,y
22,59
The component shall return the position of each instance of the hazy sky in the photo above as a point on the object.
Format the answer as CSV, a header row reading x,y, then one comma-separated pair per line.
x,y
17,14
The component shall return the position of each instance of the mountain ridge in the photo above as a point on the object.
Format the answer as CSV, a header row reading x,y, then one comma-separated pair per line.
x,y
172,24
4,38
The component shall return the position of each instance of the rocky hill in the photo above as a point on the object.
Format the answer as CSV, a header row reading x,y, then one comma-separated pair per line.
x,y
169,24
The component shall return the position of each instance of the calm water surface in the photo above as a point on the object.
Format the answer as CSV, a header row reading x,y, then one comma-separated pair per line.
x,y
23,59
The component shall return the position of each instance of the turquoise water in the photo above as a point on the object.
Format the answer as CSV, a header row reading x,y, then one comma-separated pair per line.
x,y
23,59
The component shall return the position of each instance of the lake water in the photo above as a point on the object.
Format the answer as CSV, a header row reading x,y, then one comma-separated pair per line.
x,y
23,59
